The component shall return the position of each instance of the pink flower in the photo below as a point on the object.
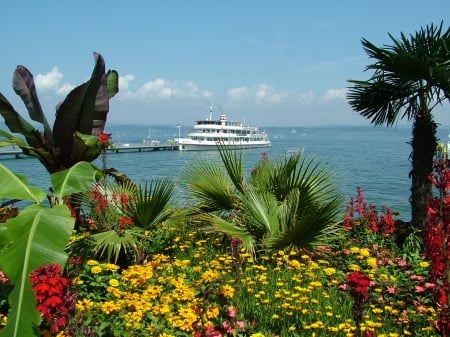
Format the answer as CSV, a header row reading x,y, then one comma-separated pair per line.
x,y
401,263
227,327
343,286
240,325
416,278
429,285
3,278
391,290
231,312
419,289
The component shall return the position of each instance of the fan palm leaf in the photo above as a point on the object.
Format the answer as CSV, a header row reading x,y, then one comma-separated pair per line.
x,y
217,224
234,165
317,226
208,183
113,243
259,212
150,204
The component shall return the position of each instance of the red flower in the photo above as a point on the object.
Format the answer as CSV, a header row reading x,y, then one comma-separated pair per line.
x,y
103,138
52,295
359,284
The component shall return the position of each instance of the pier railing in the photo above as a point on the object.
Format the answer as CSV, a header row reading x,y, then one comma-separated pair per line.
x,y
10,152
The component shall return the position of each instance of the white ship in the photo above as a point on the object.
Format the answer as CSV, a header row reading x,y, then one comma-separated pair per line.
x,y
207,134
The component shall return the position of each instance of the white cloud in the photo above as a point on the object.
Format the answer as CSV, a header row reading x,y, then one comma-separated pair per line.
x,y
262,94
332,94
237,94
157,88
124,82
192,90
65,89
161,89
306,98
266,94
51,81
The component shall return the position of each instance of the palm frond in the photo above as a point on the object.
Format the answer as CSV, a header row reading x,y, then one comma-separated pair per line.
x,y
217,224
314,227
259,212
112,243
151,203
207,183
404,73
287,210
234,164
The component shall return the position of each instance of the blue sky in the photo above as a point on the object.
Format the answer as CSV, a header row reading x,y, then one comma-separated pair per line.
x,y
270,63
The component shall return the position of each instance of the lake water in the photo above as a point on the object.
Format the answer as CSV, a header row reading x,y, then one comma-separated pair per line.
x,y
373,158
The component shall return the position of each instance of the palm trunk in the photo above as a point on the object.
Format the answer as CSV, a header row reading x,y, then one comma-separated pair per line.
x,y
423,149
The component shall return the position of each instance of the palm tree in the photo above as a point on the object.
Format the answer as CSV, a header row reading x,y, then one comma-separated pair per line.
x,y
410,78
287,203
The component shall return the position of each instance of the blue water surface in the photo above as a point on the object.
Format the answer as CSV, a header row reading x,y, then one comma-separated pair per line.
x,y
373,158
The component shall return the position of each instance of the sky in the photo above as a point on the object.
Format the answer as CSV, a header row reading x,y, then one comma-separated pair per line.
x,y
264,62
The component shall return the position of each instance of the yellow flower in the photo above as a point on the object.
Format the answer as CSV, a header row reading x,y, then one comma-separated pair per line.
x,y
209,276
423,264
76,281
152,291
364,252
371,261
354,250
96,269
111,267
83,304
92,262
354,267
329,271
316,284
109,306
227,291
113,282
212,312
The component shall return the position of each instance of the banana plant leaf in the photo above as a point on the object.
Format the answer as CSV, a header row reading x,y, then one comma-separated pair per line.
x,y
36,237
84,110
76,179
23,85
85,147
14,186
32,247
18,124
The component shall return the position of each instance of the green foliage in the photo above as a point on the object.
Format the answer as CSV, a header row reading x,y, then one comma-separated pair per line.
x,y
209,185
151,203
28,240
80,118
286,203
119,214
114,244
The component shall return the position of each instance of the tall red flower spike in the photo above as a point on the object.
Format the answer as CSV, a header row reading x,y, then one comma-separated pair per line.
x,y
437,243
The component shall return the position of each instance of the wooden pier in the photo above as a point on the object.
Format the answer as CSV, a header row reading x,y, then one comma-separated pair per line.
x,y
144,148
17,153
